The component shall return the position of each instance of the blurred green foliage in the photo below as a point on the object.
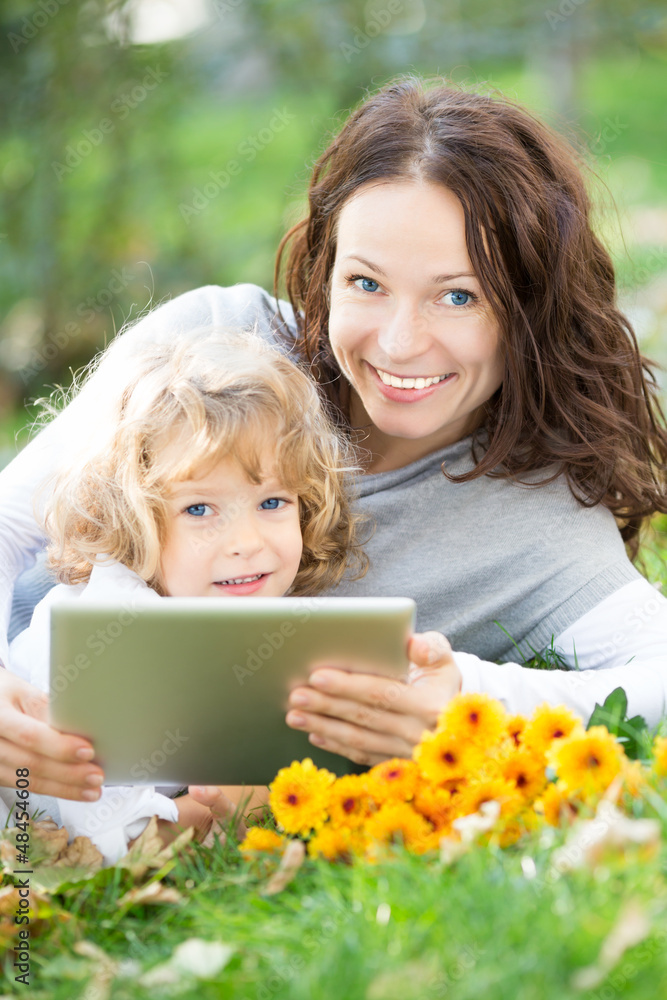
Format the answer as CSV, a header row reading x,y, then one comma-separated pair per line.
x,y
132,170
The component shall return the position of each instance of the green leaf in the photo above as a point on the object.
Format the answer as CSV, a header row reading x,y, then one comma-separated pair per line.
x,y
632,733
612,712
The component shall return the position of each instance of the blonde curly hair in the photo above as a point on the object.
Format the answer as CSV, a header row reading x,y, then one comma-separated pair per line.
x,y
234,396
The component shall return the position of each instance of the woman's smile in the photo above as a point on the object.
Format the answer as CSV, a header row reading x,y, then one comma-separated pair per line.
x,y
409,323
408,389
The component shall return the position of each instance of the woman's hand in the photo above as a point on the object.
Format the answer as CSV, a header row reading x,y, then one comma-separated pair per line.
x,y
368,718
59,764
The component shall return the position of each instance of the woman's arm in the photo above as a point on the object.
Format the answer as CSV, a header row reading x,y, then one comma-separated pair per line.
x,y
622,642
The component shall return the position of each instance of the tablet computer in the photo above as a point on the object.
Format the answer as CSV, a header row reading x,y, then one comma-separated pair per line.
x,y
194,690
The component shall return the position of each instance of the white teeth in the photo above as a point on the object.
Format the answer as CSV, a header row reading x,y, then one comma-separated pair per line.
x,y
245,579
410,383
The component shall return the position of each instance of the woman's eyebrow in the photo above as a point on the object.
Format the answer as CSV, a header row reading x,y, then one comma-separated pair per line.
x,y
439,279
366,263
442,279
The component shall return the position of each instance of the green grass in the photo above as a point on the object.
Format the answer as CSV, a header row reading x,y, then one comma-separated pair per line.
x,y
408,928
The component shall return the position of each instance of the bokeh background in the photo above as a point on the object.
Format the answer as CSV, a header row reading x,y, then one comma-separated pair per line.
x,y
150,146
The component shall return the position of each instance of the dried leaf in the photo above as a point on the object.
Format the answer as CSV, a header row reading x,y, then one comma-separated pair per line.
x,y
149,852
451,849
589,840
153,892
216,831
81,853
409,980
290,863
472,826
104,970
42,913
630,929
192,959
48,840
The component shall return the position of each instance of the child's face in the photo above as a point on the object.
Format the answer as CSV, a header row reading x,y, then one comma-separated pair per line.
x,y
223,528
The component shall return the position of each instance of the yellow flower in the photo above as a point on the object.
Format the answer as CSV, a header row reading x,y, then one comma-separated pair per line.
x,y
445,757
397,822
393,780
554,805
435,804
660,756
333,843
634,777
587,761
515,727
474,717
489,790
260,839
549,723
525,772
349,803
512,829
299,796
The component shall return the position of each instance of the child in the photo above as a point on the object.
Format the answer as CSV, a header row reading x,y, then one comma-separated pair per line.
x,y
216,473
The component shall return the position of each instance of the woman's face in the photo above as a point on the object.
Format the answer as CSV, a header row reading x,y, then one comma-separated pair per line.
x,y
409,325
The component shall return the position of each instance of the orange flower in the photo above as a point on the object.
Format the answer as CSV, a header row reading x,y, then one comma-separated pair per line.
x,y
260,839
525,772
489,790
587,761
334,843
393,780
435,804
474,717
397,822
660,756
299,796
634,777
443,756
554,805
515,727
349,803
547,724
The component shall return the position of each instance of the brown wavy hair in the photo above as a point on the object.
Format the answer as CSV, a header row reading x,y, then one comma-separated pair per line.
x,y
223,394
577,397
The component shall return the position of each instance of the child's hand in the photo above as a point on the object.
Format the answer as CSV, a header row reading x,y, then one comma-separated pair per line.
x,y
220,808
206,809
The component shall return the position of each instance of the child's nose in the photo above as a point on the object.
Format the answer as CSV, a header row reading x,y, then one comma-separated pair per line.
x,y
244,538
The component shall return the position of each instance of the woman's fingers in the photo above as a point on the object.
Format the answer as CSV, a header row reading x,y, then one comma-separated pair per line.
x,y
368,718
366,756
58,763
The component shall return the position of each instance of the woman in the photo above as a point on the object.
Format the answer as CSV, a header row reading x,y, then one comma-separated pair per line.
x,y
459,314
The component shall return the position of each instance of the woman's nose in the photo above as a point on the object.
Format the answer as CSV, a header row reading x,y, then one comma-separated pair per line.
x,y
403,337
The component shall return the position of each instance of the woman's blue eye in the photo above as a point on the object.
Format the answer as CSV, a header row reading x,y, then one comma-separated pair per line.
x,y
273,503
459,298
197,509
367,284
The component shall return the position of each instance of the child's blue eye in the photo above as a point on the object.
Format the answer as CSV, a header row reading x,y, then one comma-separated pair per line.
x,y
367,284
459,298
273,503
198,509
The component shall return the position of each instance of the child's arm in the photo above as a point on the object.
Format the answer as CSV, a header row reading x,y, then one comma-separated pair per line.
x,y
213,804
